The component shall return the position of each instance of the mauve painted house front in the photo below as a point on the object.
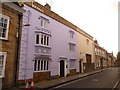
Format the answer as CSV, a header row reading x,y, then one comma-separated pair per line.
x,y
49,52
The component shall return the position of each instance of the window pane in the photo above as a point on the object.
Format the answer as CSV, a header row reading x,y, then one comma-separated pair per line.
x,y
45,40
42,39
1,32
41,22
47,65
5,26
0,21
35,65
37,39
41,65
5,21
70,47
1,60
0,73
4,33
1,67
44,65
38,65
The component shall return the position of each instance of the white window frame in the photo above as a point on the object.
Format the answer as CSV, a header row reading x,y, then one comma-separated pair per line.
x,y
8,18
43,70
40,35
4,63
43,23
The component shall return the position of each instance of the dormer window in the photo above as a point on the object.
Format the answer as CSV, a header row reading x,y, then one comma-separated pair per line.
x,y
42,39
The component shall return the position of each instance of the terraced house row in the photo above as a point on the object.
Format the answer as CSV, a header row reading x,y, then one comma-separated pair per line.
x,y
39,44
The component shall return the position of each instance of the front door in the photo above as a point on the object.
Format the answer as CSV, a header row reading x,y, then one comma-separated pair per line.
x,y
88,58
80,67
88,63
62,68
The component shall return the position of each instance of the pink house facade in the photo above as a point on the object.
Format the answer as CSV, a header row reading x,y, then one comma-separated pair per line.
x,y
48,47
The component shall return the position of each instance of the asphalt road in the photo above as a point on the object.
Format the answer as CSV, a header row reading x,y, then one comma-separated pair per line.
x,y
106,79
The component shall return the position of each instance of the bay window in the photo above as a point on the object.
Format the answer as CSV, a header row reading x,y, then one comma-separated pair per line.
x,y
42,39
41,65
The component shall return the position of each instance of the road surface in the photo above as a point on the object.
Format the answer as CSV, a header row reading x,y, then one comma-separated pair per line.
x,y
106,79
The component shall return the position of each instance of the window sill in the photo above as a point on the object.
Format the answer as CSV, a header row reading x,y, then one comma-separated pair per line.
x,y
72,68
42,46
2,77
41,71
3,39
42,54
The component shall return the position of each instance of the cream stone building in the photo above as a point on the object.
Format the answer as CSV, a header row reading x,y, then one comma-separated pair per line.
x,y
100,56
85,51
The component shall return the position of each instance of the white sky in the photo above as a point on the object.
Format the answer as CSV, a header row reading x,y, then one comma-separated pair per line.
x,y
98,18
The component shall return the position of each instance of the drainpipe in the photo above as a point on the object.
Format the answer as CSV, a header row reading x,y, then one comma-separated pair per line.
x,y
17,50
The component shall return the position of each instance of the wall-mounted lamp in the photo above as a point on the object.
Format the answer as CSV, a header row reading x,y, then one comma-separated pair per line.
x,y
26,25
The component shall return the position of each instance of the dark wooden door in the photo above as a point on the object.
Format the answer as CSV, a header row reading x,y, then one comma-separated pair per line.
x,y
80,67
62,68
88,58
88,63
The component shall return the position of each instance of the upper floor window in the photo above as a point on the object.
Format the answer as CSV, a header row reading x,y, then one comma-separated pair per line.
x,y
72,46
42,39
2,63
43,22
4,26
87,41
71,34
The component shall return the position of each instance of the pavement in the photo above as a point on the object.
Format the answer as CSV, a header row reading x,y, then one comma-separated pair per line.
x,y
56,82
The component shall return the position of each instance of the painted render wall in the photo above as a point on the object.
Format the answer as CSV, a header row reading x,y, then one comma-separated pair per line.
x,y
60,39
60,45
85,48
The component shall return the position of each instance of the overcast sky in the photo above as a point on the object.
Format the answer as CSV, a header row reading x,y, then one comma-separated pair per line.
x,y
98,18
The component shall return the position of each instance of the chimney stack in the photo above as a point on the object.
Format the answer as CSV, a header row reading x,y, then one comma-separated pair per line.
x,y
95,41
47,6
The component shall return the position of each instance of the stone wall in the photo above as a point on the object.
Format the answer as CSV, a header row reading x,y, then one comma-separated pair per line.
x,y
10,46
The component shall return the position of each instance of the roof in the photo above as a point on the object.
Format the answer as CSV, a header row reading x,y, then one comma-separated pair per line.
x,y
55,16
97,45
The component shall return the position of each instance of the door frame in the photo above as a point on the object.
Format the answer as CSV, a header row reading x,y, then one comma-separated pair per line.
x,y
65,64
81,60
